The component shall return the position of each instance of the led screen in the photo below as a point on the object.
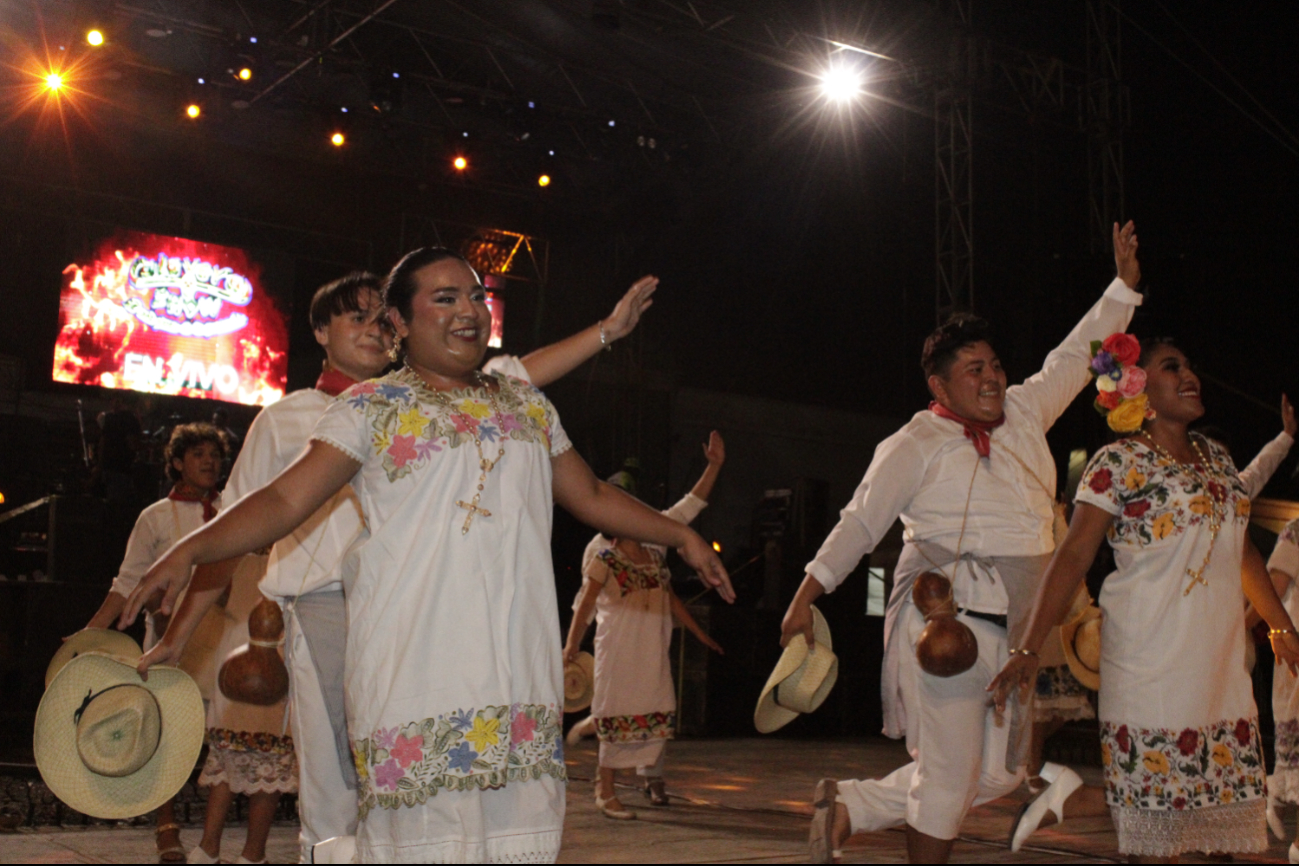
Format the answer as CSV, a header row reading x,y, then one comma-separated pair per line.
x,y
171,316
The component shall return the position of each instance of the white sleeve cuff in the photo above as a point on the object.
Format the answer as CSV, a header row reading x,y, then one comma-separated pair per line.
x,y
823,575
1284,439
1119,291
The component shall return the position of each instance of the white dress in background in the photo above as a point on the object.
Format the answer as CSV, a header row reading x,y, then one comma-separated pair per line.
x,y
1284,782
249,746
1182,757
634,706
454,668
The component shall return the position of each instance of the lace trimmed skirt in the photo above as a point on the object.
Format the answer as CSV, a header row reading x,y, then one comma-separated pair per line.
x,y
250,763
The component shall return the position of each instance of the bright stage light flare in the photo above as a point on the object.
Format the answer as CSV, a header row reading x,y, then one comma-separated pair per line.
x,y
95,38
53,81
193,111
460,163
544,180
245,74
840,83
338,139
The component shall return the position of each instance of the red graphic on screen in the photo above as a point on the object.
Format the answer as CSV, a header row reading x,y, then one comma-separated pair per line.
x,y
171,316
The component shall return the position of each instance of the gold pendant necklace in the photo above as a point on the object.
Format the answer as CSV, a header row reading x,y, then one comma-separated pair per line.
x,y
1216,515
484,465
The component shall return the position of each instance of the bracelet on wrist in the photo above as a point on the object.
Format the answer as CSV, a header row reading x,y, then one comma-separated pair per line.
x,y
605,342
1273,632
1020,651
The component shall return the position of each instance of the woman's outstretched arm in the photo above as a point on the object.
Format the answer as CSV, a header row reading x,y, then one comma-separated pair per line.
x,y
606,508
1067,569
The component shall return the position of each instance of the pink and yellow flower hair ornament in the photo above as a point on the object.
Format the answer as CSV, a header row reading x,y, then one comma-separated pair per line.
x,y
1120,383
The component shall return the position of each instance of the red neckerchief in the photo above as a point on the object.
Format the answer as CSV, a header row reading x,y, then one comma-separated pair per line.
x,y
333,383
978,432
182,492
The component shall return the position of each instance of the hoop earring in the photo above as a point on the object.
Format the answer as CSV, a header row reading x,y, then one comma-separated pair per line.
x,y
394,354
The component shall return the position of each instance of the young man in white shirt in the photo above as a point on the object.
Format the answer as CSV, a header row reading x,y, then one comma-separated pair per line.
x,y
973,481
304,572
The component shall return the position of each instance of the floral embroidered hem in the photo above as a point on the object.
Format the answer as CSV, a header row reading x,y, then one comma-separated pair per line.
x,y
635,728
1059,695
462,751
1233,828
1157,769
250,763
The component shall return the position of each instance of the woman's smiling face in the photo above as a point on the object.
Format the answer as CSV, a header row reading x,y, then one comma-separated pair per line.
x,y
449,321
1172,387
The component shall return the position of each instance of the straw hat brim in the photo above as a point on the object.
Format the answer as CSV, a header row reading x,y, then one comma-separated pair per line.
x,y
1091,678
55,739
103,640
579,683
822,671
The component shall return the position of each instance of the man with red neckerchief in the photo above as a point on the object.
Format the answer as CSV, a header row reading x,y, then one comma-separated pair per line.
x,y
973,481
304,573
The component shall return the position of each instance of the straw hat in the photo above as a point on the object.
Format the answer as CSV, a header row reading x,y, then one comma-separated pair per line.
x,y
801,681
112,746
1081,641
579,683
102,640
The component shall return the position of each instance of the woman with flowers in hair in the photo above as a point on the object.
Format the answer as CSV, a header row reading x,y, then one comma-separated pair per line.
x,y
1183,764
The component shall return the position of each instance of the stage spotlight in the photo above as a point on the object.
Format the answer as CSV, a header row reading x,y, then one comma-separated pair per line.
x,y
544,180
717,546
192,111
460,163
245,74
337,139
840,83
53,81
95,38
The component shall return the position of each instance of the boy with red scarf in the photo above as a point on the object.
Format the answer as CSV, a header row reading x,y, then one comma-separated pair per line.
x,y
973,481
194,456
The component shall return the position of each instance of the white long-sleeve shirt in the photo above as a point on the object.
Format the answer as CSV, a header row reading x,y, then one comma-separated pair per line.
x,y
1260,470
923,472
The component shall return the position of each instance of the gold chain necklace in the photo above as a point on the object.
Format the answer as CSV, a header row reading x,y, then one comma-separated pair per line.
x,y
1216,515
484,465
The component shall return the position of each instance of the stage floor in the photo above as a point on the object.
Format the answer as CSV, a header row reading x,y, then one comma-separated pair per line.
x,y
737,801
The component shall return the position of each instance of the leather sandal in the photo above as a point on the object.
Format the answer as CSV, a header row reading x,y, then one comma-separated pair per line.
x,y
656,793
172,853
620,813
821,837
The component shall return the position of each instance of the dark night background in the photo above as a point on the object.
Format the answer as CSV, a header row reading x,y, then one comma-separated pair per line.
x,y
795,241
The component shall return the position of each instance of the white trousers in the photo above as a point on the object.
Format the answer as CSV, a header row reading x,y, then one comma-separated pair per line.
x,y
326,808
958,744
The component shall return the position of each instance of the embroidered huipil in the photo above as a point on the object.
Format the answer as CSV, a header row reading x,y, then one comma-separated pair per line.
x,y
1179,739
923,473
634,705
1284,783
454,671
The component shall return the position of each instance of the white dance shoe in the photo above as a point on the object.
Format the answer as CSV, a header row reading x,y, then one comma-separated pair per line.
x,y
1051,800
617,813
338,849
198,855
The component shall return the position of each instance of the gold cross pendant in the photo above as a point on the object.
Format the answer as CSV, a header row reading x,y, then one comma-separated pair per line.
x,y
474,511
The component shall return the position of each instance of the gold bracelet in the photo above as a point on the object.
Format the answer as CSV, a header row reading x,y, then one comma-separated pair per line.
x,y
1273,632
1018,651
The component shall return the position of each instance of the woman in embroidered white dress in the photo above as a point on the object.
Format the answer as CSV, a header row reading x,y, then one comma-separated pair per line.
x,y
453,656
1179,736
634,707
